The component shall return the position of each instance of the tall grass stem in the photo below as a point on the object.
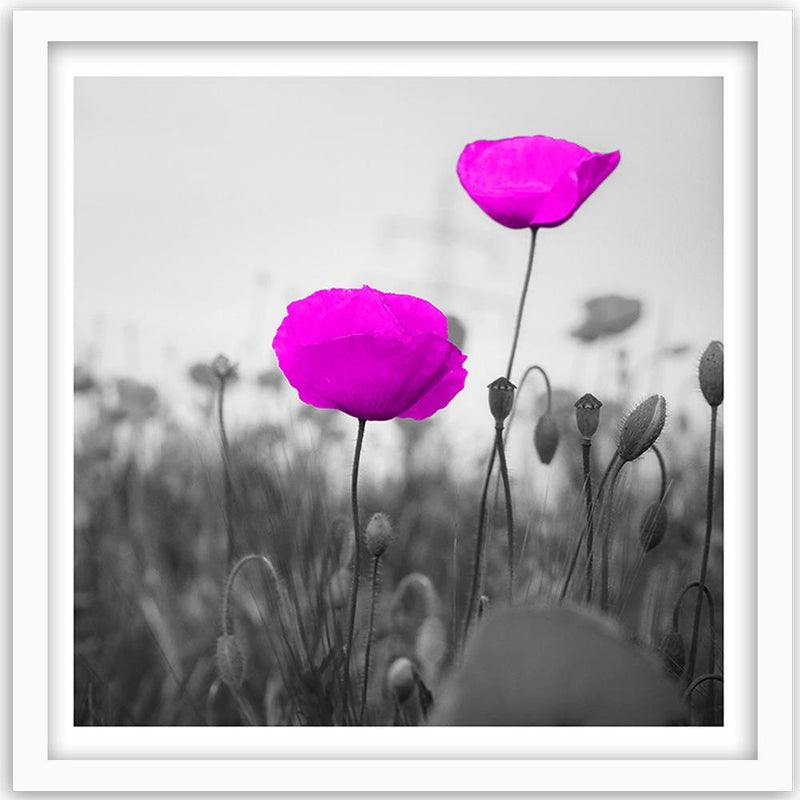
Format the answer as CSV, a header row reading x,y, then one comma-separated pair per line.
x,y
501,452
521,308
374,593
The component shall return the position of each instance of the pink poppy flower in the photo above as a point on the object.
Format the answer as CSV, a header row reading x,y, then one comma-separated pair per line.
x,y
372,355
532,181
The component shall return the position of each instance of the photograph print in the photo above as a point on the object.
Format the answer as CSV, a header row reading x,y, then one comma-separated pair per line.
x,y
398,401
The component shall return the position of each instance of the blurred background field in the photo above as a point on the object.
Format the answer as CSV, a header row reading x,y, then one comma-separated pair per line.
x,y
204,206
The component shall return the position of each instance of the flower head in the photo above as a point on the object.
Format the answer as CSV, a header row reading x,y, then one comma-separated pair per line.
x,y
607,316
370,354
711,373
532,181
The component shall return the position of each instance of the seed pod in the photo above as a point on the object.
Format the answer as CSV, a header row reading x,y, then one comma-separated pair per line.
x,y
642,427
378,534
401,678
545,438
223,367
230,661
501,399
653,527
710,373
673,653
587,415
339,587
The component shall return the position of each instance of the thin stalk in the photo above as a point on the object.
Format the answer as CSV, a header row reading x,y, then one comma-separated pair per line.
x,y
701,680
522,297
476,569
663,467
509,510
375,565
607,537
586,446
598,503
351,624
476,566
228,481
534,367
706,546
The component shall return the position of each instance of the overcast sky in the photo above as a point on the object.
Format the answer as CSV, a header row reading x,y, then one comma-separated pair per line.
x,y
203,206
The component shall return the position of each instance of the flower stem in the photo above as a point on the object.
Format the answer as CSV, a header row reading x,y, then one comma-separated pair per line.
x,y
228,482
522,297
607,509
351,624
476,566
586,446
706,546
501,452
375,564
598,504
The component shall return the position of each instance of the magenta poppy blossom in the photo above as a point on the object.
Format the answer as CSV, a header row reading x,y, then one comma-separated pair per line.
x,y
532,181
373,355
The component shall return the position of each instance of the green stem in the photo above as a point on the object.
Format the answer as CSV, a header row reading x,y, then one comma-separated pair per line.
x,y
509,510
586,446
534,367
375,563
522,297
706,546
351,624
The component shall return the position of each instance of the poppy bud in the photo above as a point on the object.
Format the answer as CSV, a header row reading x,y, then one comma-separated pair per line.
x,y
501,399
653,527
710,373
587,415
223,367
401,678
378,534
642,427
545,437
673,653
339,587
230,661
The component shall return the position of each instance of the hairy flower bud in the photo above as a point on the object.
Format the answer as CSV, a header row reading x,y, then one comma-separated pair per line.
x,y
501,399
587,415
545,438
230,661
642,427
710,373
378,534
653,527
673,653
401,678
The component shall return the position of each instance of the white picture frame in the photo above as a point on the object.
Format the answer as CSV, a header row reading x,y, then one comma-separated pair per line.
x,y
752,51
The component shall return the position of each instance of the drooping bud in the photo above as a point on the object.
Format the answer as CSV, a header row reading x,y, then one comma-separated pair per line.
x,y
501,399
642,427
653,526
378,534
230,661
710,373
587,415
339,587
401,678
545,438
673,653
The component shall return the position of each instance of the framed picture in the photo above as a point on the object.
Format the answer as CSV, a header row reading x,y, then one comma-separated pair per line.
x,y
368,375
